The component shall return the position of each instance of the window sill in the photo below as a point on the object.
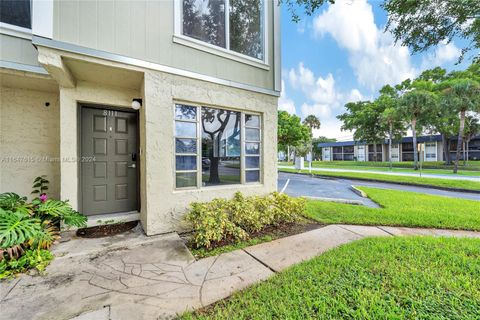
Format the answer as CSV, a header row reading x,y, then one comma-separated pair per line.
x,y
219,187
15,31
228,54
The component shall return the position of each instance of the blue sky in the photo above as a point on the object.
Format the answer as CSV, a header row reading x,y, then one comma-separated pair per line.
x,y
341,54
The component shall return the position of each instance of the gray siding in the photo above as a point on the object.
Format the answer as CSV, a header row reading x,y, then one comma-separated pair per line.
x,y
17,50
144,30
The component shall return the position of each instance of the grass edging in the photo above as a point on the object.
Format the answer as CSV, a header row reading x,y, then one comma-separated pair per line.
x,y
320,175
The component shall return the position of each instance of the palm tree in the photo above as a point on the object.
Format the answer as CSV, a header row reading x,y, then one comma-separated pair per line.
x,y
472,128
462,95
312,122
415,106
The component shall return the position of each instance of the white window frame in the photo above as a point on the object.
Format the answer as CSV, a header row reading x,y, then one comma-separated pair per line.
x,y
199,170
244,141
182,39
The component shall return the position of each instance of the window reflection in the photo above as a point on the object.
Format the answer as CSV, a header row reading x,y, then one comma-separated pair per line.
x,y
246,34
220,146
185,112
205,20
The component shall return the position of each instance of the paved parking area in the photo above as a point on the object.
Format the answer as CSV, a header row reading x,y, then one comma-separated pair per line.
x,y
303,185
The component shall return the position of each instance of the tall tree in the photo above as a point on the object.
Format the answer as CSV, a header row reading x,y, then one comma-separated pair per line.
x,y
424,24
462,95
291,132
364,118
472,129
311,122
415,106
390,116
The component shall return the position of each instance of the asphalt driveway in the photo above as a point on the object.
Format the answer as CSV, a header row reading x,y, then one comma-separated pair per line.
x,y
303,185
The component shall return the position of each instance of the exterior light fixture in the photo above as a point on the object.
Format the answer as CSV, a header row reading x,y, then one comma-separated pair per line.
x,y
136,104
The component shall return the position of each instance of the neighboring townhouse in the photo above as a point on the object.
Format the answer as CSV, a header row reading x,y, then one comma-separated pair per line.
x,y
402,150
134,109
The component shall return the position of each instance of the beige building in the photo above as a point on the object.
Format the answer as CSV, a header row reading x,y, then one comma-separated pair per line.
x,y
134,109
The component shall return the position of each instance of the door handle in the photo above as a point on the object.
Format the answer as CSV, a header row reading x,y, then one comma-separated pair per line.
x,y
133,165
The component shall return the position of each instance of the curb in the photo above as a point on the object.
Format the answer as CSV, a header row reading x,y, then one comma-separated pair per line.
x,y
337,200
319,175
358,191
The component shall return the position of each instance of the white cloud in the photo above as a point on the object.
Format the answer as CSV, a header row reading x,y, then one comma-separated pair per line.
x,y
322,99
285,103
375,59
445,52
319,90
322,111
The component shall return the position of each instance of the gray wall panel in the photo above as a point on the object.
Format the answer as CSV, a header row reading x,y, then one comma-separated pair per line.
x,y
144,30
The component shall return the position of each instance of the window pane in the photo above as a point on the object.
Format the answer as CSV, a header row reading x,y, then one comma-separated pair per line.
x,y
252,148
220,133
252,176
252,162
186,179
220,146
185,112
185,129
252,121
218,171
246,29
185,145
186,162
205,20
252,134
16,12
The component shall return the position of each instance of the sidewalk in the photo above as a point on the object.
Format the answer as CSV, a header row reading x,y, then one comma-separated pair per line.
x,y
405,174
137,277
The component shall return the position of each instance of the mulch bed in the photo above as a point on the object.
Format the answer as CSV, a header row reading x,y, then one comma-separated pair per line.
x,y
106,230
276,232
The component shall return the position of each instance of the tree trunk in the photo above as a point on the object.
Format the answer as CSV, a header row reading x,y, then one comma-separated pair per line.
x,y
375,151
415,154
464,161
390,133
459,141
468,147
445,149
288,153
449,155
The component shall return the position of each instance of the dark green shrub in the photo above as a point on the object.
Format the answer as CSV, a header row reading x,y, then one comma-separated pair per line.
x,y
235,219
28,229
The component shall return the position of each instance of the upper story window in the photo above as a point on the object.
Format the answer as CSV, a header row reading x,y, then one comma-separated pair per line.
x,y
236,25
16,12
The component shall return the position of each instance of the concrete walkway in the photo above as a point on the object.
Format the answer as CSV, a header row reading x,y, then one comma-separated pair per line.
x,y
137,277
405,174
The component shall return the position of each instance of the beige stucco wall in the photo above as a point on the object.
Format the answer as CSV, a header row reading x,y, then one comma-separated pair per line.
x,y
164,207
144,30
29,139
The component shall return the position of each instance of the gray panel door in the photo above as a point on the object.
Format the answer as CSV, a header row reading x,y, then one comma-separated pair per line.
x,y
109,166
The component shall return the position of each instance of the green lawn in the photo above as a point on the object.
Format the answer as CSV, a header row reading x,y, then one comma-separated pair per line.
x,y
400,208
444,183
374,278
473,168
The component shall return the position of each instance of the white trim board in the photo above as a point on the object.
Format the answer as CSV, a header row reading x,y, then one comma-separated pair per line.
x,y
15,31
64,46
22,67
42,18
